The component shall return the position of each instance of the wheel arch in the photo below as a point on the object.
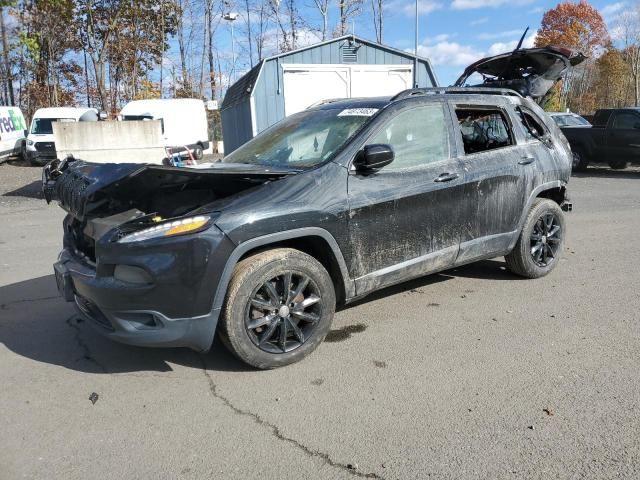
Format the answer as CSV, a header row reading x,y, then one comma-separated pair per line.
x,y
313,241
556,191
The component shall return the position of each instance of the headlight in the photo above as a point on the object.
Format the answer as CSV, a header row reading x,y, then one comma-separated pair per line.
x,y
30,142
168,229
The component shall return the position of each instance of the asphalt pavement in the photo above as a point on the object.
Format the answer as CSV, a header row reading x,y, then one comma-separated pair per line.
x,y
472,373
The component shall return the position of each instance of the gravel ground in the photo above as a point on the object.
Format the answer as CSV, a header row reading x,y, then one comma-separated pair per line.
x,y
472,373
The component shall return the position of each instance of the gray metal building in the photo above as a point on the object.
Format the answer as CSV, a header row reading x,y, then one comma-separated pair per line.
x,y
347,66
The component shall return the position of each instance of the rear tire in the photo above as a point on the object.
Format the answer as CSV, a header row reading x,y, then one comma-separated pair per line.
x,y
279,307
541,241
618,165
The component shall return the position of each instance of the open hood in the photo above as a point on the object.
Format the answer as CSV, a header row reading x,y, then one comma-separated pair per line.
x,y
532,72
89,190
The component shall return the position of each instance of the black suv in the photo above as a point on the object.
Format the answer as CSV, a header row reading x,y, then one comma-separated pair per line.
x,y
325,207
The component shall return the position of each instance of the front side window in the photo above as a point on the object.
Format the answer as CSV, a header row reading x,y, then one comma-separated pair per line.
x,y
304,139
626,121
418,137
483,129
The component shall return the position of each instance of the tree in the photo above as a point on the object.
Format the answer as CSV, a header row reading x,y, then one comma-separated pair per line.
x,y
323,9
51,75
124,43
630,31
348,10
377,12
574,25
8,83
578,26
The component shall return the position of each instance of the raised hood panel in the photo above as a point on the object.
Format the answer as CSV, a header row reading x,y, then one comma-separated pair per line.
x,y
88,190
532,72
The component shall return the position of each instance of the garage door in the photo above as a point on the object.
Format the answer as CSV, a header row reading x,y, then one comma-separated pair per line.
x,y
380,80
305,85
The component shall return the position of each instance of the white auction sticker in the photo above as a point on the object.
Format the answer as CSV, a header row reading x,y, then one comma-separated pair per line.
x,y
357,112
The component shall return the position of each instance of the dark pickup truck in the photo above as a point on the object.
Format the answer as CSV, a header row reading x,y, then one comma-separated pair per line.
x,y
614,138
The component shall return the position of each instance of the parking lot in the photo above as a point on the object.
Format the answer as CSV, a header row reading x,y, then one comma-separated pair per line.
x,y
472,373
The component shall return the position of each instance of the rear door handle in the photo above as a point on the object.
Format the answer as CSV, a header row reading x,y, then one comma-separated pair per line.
x,y
527,160
446,177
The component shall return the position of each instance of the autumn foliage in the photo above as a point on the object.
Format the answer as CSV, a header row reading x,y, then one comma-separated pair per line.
x,y
574,25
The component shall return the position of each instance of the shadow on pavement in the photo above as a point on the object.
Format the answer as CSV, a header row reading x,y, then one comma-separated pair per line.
x,y
37,324
18,162
31,190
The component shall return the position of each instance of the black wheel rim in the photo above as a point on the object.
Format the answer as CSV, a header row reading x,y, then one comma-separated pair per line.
x,y
283,312
546,238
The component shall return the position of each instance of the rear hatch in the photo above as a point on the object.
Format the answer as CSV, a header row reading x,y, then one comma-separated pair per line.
x,y
532,72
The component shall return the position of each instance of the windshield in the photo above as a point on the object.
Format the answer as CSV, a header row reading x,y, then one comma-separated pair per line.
x,y
44,126
570,120
302,140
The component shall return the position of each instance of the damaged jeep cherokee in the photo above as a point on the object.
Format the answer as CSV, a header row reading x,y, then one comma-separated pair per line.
x,y
323,208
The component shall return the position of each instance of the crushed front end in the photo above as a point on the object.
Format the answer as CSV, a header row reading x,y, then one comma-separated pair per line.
x,y
142,255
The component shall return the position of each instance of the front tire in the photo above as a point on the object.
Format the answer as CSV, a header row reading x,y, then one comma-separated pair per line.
x,y
279,307
541,240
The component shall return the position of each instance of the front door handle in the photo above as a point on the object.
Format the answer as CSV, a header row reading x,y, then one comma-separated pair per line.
x,y
527,160
446,177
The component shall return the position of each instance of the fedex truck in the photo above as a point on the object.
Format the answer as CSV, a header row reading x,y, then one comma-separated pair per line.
x,y
13,130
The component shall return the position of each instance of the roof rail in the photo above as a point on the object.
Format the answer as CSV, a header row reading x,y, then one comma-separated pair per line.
x,y
444,90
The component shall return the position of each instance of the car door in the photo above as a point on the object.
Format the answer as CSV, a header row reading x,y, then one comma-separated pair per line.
x,y
497,178
623,137
404,219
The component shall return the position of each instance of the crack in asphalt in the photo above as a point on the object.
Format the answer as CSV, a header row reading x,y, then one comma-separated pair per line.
x,y
86,353
277,433
5,306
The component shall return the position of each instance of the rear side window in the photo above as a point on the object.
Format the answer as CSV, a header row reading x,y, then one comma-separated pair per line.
x,y
626,120
601,118
418,137
533,127
483,129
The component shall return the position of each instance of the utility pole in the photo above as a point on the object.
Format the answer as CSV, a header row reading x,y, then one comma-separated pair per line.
x,y
415,60
232,17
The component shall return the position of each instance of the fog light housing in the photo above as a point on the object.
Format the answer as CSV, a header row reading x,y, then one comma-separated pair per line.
x,y
131,274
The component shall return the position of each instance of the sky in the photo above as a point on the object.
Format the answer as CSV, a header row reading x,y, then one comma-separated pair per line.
x,y
452,33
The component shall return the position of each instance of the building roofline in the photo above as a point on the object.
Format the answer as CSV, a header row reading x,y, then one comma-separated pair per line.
x,y
355,38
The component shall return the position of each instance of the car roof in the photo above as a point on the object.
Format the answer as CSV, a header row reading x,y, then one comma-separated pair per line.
x,y
436,93
371,102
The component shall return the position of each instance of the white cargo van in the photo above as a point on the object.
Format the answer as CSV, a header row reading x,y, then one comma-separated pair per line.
x,y
183,122
13,130
40,142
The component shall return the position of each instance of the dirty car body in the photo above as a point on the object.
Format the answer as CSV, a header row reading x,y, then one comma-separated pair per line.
x,y
457,195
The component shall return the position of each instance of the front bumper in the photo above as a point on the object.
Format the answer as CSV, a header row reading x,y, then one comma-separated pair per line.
x,y
174,309
41,158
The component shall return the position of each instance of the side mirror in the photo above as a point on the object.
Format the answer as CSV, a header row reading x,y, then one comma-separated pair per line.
x,y
374,157
26,132
102,115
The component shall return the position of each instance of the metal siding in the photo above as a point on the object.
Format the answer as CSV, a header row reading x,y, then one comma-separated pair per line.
x,y
269,102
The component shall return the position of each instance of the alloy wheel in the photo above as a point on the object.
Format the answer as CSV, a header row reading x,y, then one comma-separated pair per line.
x,y
283,312
546,238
